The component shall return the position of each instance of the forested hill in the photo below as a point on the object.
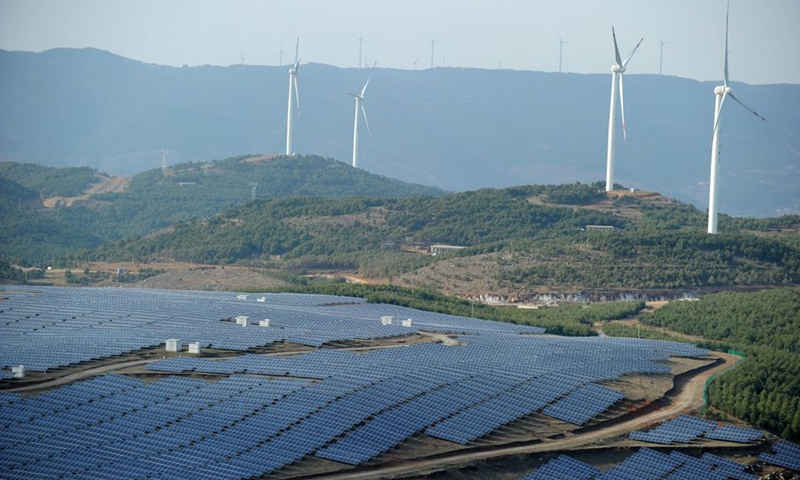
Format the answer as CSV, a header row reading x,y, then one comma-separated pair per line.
x,y
516,238
154,199
460,129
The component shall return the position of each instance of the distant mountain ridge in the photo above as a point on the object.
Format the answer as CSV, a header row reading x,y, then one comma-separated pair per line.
x,y
458,129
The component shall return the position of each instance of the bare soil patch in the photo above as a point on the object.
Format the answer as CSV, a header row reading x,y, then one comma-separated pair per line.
x,y
105,185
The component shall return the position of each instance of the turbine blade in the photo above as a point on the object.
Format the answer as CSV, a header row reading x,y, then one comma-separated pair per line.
x,y
296,96
719,113
366,122
725,78
746,107
296,52
622,105
364,90
616,48
628,58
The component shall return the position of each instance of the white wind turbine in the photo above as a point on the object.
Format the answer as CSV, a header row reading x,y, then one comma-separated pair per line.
x,y
721,93
561,43
292,88
360,107
616,76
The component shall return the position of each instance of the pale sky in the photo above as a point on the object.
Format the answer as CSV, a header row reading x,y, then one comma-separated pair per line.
x,y
517,34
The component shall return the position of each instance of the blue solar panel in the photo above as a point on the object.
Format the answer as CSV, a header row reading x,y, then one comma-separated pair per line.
x,y
735,434
584,403
563,468
682,429
787,455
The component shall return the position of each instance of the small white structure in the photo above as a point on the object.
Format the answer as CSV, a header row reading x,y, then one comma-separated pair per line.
x,y
194,347
243,320
18,371
173,345
241,297
261,299
406,322
263,323
386,320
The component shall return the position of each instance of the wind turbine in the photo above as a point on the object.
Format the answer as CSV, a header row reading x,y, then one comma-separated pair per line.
x,y
281,53
292,87
360,106
721,93
164,162
616,77
561,43
661,57
433,44
360,41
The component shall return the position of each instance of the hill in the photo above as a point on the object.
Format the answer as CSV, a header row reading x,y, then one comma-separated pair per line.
x,y
514,242
156,200
459,129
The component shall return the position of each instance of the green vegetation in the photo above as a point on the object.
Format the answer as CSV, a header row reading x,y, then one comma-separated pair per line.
x,y
8,272
30,237
660,259
765,388
620,330
188,192
50,181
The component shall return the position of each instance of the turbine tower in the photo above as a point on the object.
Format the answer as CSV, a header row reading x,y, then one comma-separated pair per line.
x,y
360,41
720,93
433,44
561,43
292,88
617,70
661,55
281,53
360,106
164,162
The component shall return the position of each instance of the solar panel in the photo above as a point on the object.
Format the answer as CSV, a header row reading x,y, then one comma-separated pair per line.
x,y
563,468
787,455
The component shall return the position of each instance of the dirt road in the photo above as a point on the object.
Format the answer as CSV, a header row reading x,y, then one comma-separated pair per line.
x,y
689,398
74,377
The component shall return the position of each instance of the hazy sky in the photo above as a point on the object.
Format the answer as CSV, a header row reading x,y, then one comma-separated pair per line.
x,y
520,34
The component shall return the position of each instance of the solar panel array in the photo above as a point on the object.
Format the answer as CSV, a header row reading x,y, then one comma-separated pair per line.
x,y
584,403
787,455
646,464
685,429
270,411
731,433
564,468
46,328
682,429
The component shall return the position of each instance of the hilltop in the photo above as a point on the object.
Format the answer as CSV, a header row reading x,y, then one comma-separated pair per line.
x,y
458,129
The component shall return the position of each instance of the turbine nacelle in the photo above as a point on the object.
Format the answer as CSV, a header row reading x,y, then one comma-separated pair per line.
x,y
617,69
722,90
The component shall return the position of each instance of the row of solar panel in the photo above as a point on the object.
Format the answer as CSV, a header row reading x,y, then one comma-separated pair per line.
x,y
645,464
786,455
685,429
141,319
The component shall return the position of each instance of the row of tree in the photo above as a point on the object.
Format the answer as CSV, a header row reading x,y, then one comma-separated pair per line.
x,y
765,388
